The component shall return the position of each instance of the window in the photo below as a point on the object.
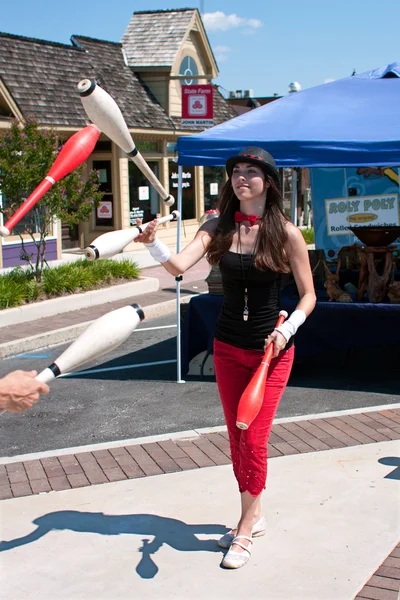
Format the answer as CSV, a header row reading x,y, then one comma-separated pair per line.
x,y
189,68
144,201
287,188
145,146
188,189
103,147
171,147
214,178
105,210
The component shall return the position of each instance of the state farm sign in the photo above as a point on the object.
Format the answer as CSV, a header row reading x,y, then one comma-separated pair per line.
x,y
104,210
197,105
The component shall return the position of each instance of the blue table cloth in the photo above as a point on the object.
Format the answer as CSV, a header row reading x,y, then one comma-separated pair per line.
x,y
331,326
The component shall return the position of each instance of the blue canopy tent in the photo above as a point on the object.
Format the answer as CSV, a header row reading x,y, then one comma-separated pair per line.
x,y
353,121
349,123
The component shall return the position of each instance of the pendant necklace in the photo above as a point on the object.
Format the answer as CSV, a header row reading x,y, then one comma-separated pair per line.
x,y
246,278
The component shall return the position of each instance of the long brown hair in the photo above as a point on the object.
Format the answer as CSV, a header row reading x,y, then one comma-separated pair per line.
x,y
269,253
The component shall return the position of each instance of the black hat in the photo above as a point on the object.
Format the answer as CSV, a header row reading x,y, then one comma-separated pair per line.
x,y
258,157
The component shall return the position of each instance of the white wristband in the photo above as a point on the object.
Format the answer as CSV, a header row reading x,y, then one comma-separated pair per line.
x,y
291,325
159,251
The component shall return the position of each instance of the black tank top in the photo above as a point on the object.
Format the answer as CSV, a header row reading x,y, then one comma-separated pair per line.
x,y
263,303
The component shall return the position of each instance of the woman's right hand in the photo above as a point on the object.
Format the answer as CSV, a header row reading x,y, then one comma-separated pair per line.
x,y
149,233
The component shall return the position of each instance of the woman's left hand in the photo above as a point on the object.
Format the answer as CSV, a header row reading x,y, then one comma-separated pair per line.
x,y
278,340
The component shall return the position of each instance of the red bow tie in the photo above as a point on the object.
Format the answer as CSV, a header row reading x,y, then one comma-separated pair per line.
x,y
239,217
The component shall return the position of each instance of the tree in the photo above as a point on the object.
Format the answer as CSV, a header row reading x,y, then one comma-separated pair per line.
x,y
26,155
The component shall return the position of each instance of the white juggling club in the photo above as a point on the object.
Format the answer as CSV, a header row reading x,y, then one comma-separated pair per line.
x,y
105,113
102,336
111,243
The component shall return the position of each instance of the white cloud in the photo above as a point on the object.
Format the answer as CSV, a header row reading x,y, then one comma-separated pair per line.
x,y
219,21
254,23
221,53
329,80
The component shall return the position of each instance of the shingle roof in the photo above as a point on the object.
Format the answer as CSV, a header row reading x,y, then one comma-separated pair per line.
x,y
41,77
139,107
153,38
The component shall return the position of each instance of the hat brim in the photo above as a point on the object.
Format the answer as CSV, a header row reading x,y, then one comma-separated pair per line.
x,y
268,169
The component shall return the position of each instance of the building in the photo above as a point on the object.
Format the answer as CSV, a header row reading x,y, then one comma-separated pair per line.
x,y
160,51
244,100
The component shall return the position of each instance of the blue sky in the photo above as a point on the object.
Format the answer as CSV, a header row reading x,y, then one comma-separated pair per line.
x,y
260,45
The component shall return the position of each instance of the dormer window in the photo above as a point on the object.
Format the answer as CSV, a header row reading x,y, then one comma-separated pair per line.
x,y
188,68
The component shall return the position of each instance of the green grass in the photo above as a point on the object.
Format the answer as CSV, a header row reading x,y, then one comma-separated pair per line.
x,y
308,235
20,287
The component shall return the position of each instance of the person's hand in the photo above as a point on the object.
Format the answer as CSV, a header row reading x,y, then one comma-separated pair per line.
x,y
278,340
149,234
20,390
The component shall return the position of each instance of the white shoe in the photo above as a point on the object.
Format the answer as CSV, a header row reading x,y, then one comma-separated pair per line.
x,y
235,560
257,531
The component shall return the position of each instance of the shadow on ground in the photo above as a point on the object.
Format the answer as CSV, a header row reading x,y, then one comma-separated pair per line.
x,y
124,367
391,461
161,530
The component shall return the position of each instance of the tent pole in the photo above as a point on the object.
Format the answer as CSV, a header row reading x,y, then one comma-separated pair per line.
x,y
178,280
294,196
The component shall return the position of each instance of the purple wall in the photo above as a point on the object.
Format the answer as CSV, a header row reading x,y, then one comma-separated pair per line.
x,y
11,253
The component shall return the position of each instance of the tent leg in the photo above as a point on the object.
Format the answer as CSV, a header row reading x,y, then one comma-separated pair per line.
x,y
294,197
178,280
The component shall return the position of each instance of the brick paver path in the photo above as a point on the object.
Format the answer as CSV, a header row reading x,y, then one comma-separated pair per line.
x,y
385,582
139,460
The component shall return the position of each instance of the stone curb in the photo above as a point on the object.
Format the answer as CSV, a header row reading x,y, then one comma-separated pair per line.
x,y
56,306
190,434
68,334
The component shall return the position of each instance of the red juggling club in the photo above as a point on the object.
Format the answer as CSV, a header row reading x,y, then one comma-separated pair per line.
x,y
252,397
74,152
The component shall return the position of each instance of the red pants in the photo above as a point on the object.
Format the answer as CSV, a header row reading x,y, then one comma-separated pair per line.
x,y
234,367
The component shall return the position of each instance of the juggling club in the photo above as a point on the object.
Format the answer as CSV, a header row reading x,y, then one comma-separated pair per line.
x,y
74,152
102,110
252,398
111,243
102,336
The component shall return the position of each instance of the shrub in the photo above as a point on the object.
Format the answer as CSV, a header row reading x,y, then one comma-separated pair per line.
x,y
20,286
308,235
19,275
11,293
124,269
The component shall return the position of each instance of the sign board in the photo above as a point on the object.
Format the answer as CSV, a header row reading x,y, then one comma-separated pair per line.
x,y
197,105
342,213
213,189
144,192
186,179
135,213
344,197
104,210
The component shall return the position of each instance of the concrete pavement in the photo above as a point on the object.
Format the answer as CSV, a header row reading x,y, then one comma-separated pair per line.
x,y
332,519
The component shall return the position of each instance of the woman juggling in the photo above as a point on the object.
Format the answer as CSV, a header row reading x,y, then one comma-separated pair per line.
x,y
255,246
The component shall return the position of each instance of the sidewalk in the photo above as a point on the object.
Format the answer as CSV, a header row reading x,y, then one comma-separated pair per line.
x,y
141,520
